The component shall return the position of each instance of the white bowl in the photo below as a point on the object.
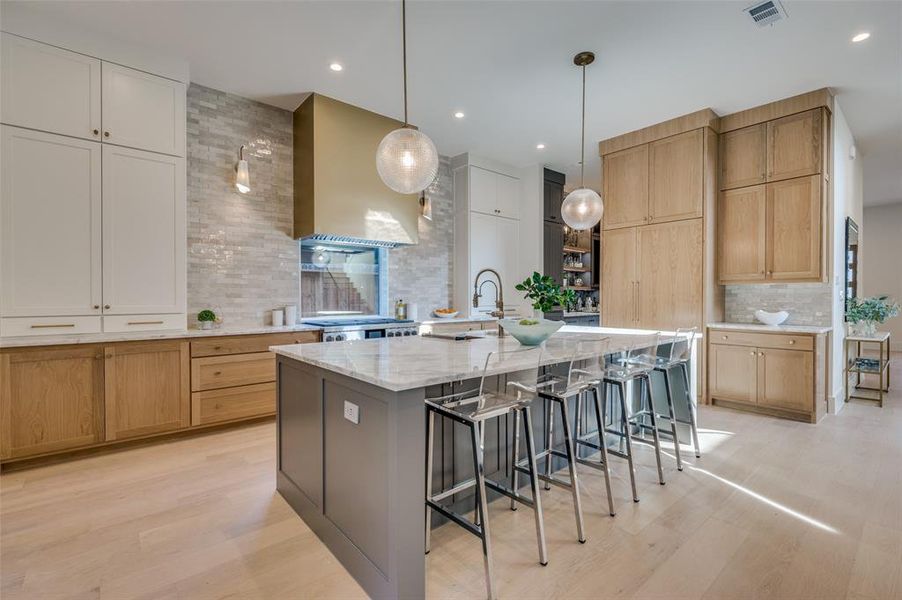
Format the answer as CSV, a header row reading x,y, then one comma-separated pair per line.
x,y
450,315
771,318
531,335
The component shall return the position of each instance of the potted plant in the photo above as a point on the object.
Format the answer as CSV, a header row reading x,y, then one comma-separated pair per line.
x,y
545,294
864,314
206,318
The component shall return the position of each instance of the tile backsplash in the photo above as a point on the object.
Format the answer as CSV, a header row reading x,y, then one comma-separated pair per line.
x,y
806,303
242,259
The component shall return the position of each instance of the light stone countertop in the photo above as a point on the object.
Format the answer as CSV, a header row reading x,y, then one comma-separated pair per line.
x,y
398,364
101,338
772,328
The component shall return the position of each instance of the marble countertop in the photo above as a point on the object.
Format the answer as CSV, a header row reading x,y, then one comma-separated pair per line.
x,y
772,328
100,338
398,364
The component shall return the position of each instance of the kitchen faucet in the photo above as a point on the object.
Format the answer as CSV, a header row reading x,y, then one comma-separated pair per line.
x,y
499,295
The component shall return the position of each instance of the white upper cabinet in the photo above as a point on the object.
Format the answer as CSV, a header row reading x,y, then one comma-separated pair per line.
x,y
143,232
493,193
143,111
49,89
507,198
50,225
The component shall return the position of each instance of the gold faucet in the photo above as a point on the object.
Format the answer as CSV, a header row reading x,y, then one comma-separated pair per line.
x,y
499,296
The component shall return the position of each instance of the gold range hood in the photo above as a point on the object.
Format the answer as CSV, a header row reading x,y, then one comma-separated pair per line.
x,y
338,195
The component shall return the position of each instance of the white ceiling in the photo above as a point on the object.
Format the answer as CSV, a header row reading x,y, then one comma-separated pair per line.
x,y
507,65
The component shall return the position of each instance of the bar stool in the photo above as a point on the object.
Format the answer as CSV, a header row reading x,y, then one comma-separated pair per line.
x,y
514,395
616,374
586,355
679,356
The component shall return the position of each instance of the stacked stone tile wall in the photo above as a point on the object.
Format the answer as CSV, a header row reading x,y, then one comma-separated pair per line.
x,y
806,303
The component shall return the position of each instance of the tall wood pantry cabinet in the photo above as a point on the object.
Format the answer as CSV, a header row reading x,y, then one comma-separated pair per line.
x,y
92,194
772,208
659,189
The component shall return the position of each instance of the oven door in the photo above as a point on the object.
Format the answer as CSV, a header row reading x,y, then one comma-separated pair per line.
x,y
371,334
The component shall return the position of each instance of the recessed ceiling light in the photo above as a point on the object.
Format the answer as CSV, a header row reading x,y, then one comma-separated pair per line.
x,y
336,67
540,146
459,115
861,37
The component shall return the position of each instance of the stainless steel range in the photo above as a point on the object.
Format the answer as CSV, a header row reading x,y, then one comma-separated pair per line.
x,y
363,328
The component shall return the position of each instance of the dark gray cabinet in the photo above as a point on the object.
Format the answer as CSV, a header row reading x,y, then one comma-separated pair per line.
x,y
554,195
553,250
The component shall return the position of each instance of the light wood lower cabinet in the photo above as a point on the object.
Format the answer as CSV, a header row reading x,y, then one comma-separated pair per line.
x,y
51,400
778,374
63,398
147,388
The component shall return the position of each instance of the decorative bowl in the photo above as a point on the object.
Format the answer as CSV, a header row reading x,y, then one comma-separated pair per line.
x,y
445,315
531,335
771,318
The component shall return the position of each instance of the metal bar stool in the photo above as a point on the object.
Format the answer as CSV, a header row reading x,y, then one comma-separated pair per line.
x,y
514,395
678,356
616,374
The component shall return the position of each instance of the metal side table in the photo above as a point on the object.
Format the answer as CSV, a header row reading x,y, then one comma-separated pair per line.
x,y
864,365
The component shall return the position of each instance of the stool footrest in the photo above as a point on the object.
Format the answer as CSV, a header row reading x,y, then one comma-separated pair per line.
x,y
463,485
513,495
547,478
459,519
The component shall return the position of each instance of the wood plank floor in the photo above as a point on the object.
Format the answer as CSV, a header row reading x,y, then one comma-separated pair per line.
x,y
773,509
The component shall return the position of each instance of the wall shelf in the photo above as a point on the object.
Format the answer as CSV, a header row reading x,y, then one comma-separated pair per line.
x,y
575,250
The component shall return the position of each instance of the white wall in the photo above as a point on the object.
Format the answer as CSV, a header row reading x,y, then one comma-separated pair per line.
x,y
880,260
847,202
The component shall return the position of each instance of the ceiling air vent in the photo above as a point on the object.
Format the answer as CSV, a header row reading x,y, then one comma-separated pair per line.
x,y
766,13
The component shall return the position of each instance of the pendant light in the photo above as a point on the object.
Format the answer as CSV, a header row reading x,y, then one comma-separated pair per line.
x,y
406,159
582,208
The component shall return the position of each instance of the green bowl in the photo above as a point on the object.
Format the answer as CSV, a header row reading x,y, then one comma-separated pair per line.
x,y
531,335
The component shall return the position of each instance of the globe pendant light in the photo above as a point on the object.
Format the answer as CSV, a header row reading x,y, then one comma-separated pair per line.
x,y
406,159
582,208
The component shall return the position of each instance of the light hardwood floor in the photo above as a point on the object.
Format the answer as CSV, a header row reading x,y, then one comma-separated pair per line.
x,y
773,509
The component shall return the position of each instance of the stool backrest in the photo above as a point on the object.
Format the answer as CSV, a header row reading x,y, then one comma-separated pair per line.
x,y
644,349
681,344
587,358
520,383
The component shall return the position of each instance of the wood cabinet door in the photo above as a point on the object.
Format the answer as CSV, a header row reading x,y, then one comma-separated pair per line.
x,y
625,183
144,220
143,111
741,234
794,145
676,174
50,222
49,88
794,229
786,379
670,257
50,400
483,191
618,278
553,250
507,199
733,372
743,157
147,388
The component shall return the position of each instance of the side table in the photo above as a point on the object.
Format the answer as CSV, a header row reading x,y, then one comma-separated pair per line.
x,y
863,365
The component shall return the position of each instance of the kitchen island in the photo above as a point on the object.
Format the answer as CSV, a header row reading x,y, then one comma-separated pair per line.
x,y
351,437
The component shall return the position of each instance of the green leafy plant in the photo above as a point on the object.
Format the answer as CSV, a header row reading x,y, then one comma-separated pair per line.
x,y
206,315
544,293
876,308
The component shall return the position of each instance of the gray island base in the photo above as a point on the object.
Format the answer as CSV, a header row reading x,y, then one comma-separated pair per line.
x,y
351,442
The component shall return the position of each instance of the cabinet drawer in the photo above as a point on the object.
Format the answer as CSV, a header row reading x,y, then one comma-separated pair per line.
x,y
14,326
238,344
123,323
233,403
225,371
762,340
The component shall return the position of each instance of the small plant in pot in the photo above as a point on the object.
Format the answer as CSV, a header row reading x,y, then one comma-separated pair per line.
x,y
864,314
545,295
206,318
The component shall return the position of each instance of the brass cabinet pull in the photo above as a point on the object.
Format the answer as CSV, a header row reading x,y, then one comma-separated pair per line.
x,y
145,322
106,134
761,354
50,326
96,306
217,372
725,336
106,306
752,353
792,342
96,132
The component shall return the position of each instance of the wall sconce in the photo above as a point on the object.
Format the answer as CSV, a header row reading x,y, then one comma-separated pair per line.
x,y
425,206
242,177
